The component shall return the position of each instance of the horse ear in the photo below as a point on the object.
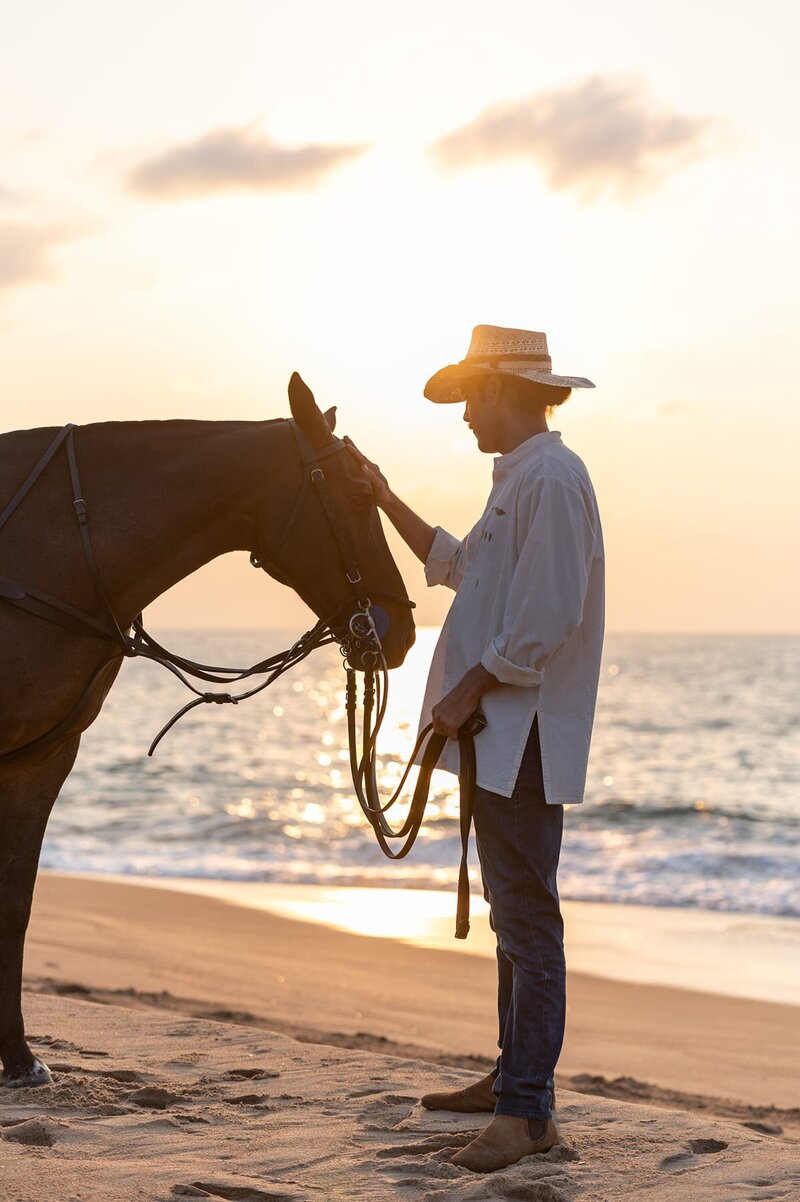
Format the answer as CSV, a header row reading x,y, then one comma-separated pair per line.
x,y
330,418
306,412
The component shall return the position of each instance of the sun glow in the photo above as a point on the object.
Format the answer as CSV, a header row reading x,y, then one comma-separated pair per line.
x,y
370,276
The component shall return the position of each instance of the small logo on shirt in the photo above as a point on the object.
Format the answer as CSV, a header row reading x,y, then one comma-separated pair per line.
x,y
501,513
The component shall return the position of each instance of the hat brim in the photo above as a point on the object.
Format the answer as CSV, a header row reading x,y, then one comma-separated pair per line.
x,y
444,388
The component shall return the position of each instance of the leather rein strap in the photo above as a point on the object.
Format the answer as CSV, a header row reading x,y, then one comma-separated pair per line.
x,y
365,777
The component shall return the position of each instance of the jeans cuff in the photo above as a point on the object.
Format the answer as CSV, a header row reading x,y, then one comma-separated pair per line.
x,y
519,1110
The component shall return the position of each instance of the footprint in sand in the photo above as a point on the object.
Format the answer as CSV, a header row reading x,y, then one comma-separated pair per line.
x,y
387,1112
764,1128
423,1147
33,1133
677,1160
236,1193
153,1098
63,1045
695,1147
251,1074
528,1191
707,1145
124,1076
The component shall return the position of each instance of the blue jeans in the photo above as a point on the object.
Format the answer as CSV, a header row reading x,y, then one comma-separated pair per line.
x,y
519,841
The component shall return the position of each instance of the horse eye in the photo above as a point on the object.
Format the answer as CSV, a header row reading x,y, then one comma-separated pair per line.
x,y
361,499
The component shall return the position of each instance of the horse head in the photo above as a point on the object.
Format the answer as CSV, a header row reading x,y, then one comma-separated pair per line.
x,y
331,547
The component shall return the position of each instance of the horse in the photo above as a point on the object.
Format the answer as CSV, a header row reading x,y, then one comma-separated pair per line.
x,y
164,498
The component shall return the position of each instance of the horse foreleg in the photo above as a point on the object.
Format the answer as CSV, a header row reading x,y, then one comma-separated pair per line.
x,y
26,798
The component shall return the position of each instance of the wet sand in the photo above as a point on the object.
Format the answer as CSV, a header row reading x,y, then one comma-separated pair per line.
x,y
165,948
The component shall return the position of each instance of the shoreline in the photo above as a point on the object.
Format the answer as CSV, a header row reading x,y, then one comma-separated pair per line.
x,y
701,950
161,948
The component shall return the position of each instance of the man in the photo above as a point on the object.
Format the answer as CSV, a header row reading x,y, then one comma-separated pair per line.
x,y
522,641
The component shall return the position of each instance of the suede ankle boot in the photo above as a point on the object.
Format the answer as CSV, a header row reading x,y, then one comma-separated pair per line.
x,y
505,1141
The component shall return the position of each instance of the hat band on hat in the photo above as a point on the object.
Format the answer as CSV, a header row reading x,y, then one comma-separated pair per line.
x,y
498,360
530,358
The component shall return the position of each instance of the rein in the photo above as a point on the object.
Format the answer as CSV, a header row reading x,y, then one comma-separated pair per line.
x,y
364,773
362,638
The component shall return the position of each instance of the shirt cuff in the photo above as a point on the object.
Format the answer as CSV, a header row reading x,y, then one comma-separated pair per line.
x,y
508,673
440,557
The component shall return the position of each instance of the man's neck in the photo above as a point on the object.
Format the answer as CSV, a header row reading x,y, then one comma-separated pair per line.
x,y
519,429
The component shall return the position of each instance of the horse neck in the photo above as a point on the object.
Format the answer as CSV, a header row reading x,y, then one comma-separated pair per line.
x,y
167,497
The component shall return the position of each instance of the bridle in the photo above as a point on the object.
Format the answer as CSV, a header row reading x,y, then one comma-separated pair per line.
x,y
360,639
311,459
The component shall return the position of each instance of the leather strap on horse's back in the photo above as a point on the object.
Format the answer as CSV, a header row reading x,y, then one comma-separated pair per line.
x,y
81,514
53,609
31,479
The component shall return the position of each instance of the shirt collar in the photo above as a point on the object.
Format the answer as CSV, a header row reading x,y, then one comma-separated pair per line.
x,y
503,464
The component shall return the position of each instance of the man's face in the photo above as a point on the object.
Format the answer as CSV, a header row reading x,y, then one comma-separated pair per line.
x,y
482,411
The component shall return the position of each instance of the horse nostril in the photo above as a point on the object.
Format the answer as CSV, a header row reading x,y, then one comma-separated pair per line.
x,y
411,639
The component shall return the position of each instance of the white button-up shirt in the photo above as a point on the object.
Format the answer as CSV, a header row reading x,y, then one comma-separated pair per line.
x,y
529,606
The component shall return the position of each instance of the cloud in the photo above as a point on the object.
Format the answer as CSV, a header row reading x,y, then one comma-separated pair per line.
x,y
31,137
601,135
26,250
10,195
671,408
24,140
226,159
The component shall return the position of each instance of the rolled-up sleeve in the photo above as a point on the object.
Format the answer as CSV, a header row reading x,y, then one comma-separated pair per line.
x,y
445,562
544,603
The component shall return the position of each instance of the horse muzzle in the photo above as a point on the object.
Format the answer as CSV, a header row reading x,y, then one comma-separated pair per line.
x,y
372,640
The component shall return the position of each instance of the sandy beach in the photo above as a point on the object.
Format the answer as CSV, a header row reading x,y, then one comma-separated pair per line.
x,y
165,1015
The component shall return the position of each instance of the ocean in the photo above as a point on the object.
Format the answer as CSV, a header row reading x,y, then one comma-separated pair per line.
x,y
693,793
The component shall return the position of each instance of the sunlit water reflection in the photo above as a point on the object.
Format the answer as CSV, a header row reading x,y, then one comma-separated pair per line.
x,y
692,797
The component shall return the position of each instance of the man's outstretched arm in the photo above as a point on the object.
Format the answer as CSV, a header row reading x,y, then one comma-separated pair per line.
x,y
460,703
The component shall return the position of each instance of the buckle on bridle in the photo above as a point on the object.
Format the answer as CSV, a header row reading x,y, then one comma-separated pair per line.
x,y
363,636
362,625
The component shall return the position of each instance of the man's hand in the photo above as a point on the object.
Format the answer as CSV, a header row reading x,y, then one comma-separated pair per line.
x,y
381,492
413,529
450,714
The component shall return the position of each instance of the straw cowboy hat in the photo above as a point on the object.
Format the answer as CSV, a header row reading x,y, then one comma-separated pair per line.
x,y
495,350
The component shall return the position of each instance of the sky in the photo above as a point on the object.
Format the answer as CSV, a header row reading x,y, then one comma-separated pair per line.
x,y
197,199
